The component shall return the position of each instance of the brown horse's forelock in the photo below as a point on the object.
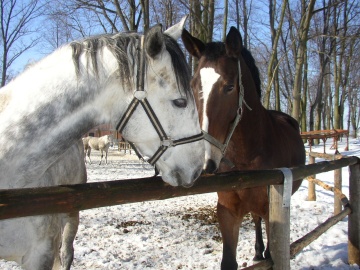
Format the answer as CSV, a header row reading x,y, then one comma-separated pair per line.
x,y
215,50
124,48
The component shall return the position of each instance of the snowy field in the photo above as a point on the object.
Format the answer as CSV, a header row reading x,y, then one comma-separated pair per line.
x,y
182,233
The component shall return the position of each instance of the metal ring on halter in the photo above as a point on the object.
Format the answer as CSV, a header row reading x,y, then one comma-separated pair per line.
x,y
140,94
167,142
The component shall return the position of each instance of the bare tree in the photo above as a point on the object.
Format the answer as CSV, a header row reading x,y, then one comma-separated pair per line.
x,y
65,25
302,38
18,33
146,14
167,12
201,18
241,11
113,16
226,11
273,71
324,47
346,29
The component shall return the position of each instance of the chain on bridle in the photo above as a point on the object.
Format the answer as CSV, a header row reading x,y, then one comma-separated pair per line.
x,y
140,98
239,112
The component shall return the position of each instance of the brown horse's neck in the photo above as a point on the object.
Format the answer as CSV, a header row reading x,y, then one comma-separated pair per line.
x,y
248,143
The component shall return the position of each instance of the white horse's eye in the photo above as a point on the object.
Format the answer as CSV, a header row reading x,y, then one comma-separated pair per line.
x,y
180,102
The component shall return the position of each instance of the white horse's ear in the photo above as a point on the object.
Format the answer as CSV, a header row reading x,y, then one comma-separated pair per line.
x,y
154,41
176,30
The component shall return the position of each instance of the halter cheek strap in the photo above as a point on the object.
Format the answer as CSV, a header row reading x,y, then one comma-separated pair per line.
x,y
140,96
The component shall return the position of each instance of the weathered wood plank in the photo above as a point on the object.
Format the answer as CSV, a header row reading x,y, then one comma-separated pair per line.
x,y
63,199
311,185
279,227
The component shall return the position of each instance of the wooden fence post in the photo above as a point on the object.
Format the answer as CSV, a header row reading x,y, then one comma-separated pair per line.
x,y
337,184
354,217
311,185
279,220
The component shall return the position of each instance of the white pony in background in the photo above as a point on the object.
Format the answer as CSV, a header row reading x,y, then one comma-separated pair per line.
x,y
101,144
46,109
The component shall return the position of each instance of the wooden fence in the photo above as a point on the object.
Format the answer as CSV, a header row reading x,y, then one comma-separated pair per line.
x,y
125,146
60,199
337,180
336,134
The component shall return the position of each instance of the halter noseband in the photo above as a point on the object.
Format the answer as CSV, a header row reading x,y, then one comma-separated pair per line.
x,y
224,146
140,97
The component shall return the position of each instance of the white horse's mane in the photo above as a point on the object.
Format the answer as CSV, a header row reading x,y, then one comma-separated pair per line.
x,y
124,47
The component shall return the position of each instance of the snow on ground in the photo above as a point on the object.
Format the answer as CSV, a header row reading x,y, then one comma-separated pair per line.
x,y
182,233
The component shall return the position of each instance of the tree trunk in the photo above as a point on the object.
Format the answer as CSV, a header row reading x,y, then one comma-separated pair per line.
x,y
327,92
145,12
273,74
225,20
211,14
245,24
303,115
303,37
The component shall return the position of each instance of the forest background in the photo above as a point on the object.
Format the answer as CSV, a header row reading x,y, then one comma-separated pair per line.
x,y
307,51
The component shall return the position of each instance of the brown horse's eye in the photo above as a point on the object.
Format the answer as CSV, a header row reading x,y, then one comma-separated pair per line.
x,y
180,102
228,88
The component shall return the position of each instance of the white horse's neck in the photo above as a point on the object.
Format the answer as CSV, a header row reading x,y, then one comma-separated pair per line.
x,y
47,104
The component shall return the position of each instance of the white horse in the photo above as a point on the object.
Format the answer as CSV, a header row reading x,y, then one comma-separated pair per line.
x,y
81,85
101,144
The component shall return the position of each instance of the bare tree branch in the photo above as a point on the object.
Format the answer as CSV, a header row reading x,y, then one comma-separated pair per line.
x,y
16,25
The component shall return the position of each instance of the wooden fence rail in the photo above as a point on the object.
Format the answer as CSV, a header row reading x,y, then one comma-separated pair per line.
x,y
62,199
337,178
336,134
69,198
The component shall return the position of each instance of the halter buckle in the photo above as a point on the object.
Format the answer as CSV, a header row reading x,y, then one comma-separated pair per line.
x,y
140,94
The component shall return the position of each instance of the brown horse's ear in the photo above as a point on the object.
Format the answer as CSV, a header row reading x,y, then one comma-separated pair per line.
x,y
154,41
233,43
193,45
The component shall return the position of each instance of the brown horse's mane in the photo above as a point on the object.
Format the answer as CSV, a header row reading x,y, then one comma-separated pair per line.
x,y
214,50
250,62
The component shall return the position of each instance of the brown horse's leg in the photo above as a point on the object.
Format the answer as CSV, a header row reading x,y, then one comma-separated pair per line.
x,y
259,244
229,223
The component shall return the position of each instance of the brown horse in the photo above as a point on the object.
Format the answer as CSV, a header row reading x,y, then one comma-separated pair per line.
x,y
240,130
